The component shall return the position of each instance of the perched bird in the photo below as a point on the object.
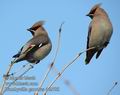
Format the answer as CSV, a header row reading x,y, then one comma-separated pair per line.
x,y
99,32
36,48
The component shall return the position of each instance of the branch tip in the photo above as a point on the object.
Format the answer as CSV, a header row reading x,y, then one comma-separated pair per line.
x,y
116,83
51,65
79,54
60,29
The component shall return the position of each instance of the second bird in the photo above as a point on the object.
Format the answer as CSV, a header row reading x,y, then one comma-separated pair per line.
x,y
99,32
37,48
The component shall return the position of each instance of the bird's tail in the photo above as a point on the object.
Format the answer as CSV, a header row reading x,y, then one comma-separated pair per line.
x,y
14,61
89,55
17,60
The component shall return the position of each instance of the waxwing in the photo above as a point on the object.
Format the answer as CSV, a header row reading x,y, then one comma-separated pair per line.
x,y
37,48
99,32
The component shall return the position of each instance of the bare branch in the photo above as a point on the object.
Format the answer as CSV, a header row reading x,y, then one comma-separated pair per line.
x,y
112,88
71,87
31,66
53,62
58,43
5,77
20,69
67,83
60,73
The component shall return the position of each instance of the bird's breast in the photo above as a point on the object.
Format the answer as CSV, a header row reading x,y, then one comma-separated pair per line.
x,y
100,33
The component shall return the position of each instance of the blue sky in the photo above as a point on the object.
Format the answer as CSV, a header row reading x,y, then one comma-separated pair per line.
x,y
94,79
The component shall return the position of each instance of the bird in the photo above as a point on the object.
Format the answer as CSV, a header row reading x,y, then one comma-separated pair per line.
x,y
99,32
37,48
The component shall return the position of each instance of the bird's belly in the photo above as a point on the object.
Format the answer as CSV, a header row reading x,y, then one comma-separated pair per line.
x,y
101,33
97,38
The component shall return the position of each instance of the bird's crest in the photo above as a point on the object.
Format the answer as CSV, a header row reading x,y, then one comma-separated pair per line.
x,y
94,8
38,24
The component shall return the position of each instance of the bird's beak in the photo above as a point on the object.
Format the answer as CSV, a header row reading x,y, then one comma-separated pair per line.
x,y
87,14
28,29
90,15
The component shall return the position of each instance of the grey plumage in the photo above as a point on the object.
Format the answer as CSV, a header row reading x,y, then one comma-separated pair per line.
x,y
99,32
37,48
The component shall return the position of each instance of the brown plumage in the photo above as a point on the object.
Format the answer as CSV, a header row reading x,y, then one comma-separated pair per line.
x,y
99,32
37,48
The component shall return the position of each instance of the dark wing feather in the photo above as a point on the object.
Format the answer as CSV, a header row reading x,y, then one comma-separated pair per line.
x,y
98,53
88,37
90,53
34,41
18,54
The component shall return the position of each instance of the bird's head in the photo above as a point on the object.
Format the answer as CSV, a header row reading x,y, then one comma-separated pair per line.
x,y
92,12
36,26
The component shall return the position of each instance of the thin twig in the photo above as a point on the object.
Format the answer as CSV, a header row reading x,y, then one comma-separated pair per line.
x,y
53,62
112,88
20,69
5,77
67,83
58,43
59,74
71,87
18,78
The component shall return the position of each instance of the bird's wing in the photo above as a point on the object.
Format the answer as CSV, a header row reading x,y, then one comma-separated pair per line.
x,y
21,51
37,41
89,34
89,53
33,44
98,53
18,54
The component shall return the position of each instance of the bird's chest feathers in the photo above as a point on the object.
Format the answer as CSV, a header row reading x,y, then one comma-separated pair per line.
x,y
103,24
